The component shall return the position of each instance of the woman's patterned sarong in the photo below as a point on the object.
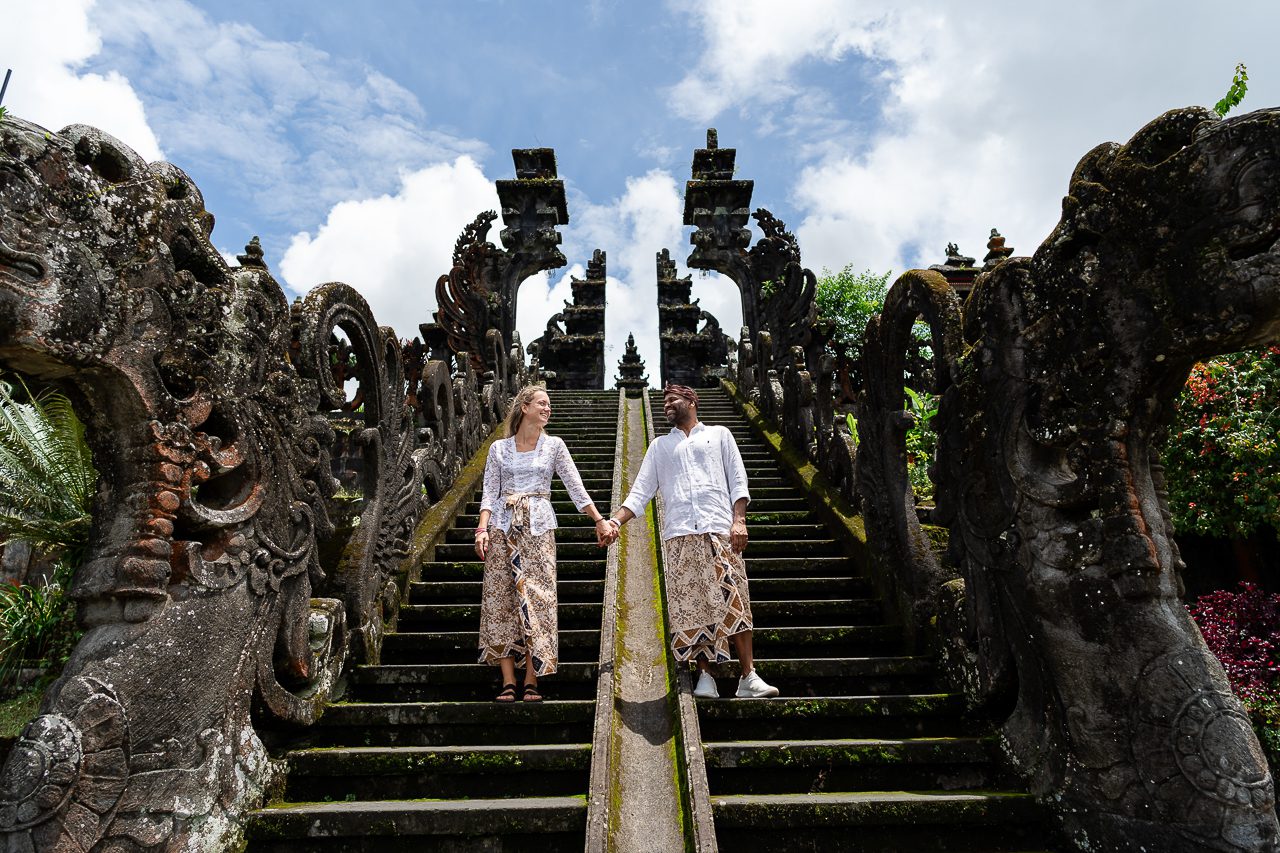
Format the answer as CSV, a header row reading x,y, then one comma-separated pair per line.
x,y
518,603
707,597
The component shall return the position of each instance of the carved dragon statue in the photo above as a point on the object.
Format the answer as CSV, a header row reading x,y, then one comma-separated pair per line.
x,y
1167,253
204,402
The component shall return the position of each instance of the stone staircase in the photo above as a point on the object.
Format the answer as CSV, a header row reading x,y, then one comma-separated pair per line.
x,y
861,751
419,756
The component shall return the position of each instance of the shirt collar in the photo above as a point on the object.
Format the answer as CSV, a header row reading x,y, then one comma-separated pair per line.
x,y
698,427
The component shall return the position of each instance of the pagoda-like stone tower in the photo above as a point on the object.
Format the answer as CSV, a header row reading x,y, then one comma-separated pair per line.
x,y
690,356
631,375
575,353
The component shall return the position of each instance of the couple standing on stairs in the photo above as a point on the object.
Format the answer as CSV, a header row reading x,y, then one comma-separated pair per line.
x,y
703,482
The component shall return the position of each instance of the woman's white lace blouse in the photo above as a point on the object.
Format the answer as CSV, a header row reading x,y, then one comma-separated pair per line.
x,y
508,472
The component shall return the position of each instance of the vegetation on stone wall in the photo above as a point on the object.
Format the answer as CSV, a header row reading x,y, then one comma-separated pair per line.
x,y
1222,457
1235,94
1242,629
46,484
921,441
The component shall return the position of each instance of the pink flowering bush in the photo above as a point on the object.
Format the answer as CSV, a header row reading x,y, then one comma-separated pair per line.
x,y
1242,629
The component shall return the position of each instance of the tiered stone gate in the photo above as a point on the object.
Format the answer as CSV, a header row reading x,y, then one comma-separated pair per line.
x,y
214,626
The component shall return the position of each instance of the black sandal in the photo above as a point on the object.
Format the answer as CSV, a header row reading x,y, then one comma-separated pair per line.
x,y
507,696
531,693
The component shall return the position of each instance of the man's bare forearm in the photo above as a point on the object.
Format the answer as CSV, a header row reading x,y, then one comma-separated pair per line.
x,y
740,510
623,515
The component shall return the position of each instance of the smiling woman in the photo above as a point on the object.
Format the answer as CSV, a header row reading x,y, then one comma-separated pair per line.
x,y
516,539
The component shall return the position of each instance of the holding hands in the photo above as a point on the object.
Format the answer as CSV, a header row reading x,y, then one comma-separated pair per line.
x,y
607,532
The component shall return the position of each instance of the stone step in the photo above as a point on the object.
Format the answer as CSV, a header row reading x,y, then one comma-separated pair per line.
x,y
409,647
560,502
773,588
453,723
815,612
518,824
849,676
467,591
463,646
893,716
417,772
442,617
878,821
473,569
827,642
575,532
794,566
568,550
874,764
462,682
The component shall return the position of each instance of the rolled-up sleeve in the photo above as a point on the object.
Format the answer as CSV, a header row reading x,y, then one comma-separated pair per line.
x,y
492,479
735,473
645,485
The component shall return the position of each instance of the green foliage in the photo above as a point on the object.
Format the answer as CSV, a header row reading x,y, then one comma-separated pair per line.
x,y
853,427
1222,457
4,114
46,485
1235,94
46,472
921,441
849,299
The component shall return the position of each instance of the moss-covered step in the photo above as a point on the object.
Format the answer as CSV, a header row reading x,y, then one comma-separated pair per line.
x,y
817,766
828,642
463,647
767,588
433,682
866,611
473,569
834,676
794,566
878,821
384,773
572,529
430,592
566,550
524,824
441,616
782,718
794,517
453,723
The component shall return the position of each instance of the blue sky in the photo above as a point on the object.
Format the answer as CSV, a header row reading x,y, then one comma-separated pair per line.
x,y
358,140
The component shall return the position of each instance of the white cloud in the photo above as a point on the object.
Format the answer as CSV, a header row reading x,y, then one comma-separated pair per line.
x,y
284,124
984,109
47,46
392,248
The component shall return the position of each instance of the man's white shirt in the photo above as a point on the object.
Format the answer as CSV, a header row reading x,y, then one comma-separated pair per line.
x,y
700,475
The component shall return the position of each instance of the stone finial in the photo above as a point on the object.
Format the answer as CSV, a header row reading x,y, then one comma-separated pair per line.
x,y
955,259
997,251
713,139
253,256
631,375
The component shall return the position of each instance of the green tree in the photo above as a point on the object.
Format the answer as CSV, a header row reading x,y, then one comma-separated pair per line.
x,y
1222,457
848,299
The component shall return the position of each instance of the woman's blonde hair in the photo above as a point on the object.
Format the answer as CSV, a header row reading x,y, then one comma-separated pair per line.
x,y
516,414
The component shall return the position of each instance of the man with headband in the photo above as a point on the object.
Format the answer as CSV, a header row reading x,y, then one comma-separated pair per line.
x,y
699,472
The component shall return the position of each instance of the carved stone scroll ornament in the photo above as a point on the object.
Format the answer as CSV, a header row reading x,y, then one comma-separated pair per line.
x,y
213,456
884,490
393,469
1167,253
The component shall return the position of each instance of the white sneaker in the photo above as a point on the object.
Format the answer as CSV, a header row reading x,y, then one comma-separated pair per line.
x,y
706,687
752,686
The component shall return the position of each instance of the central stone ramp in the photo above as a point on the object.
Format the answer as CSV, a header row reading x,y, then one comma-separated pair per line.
x,y
420,757
862,751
